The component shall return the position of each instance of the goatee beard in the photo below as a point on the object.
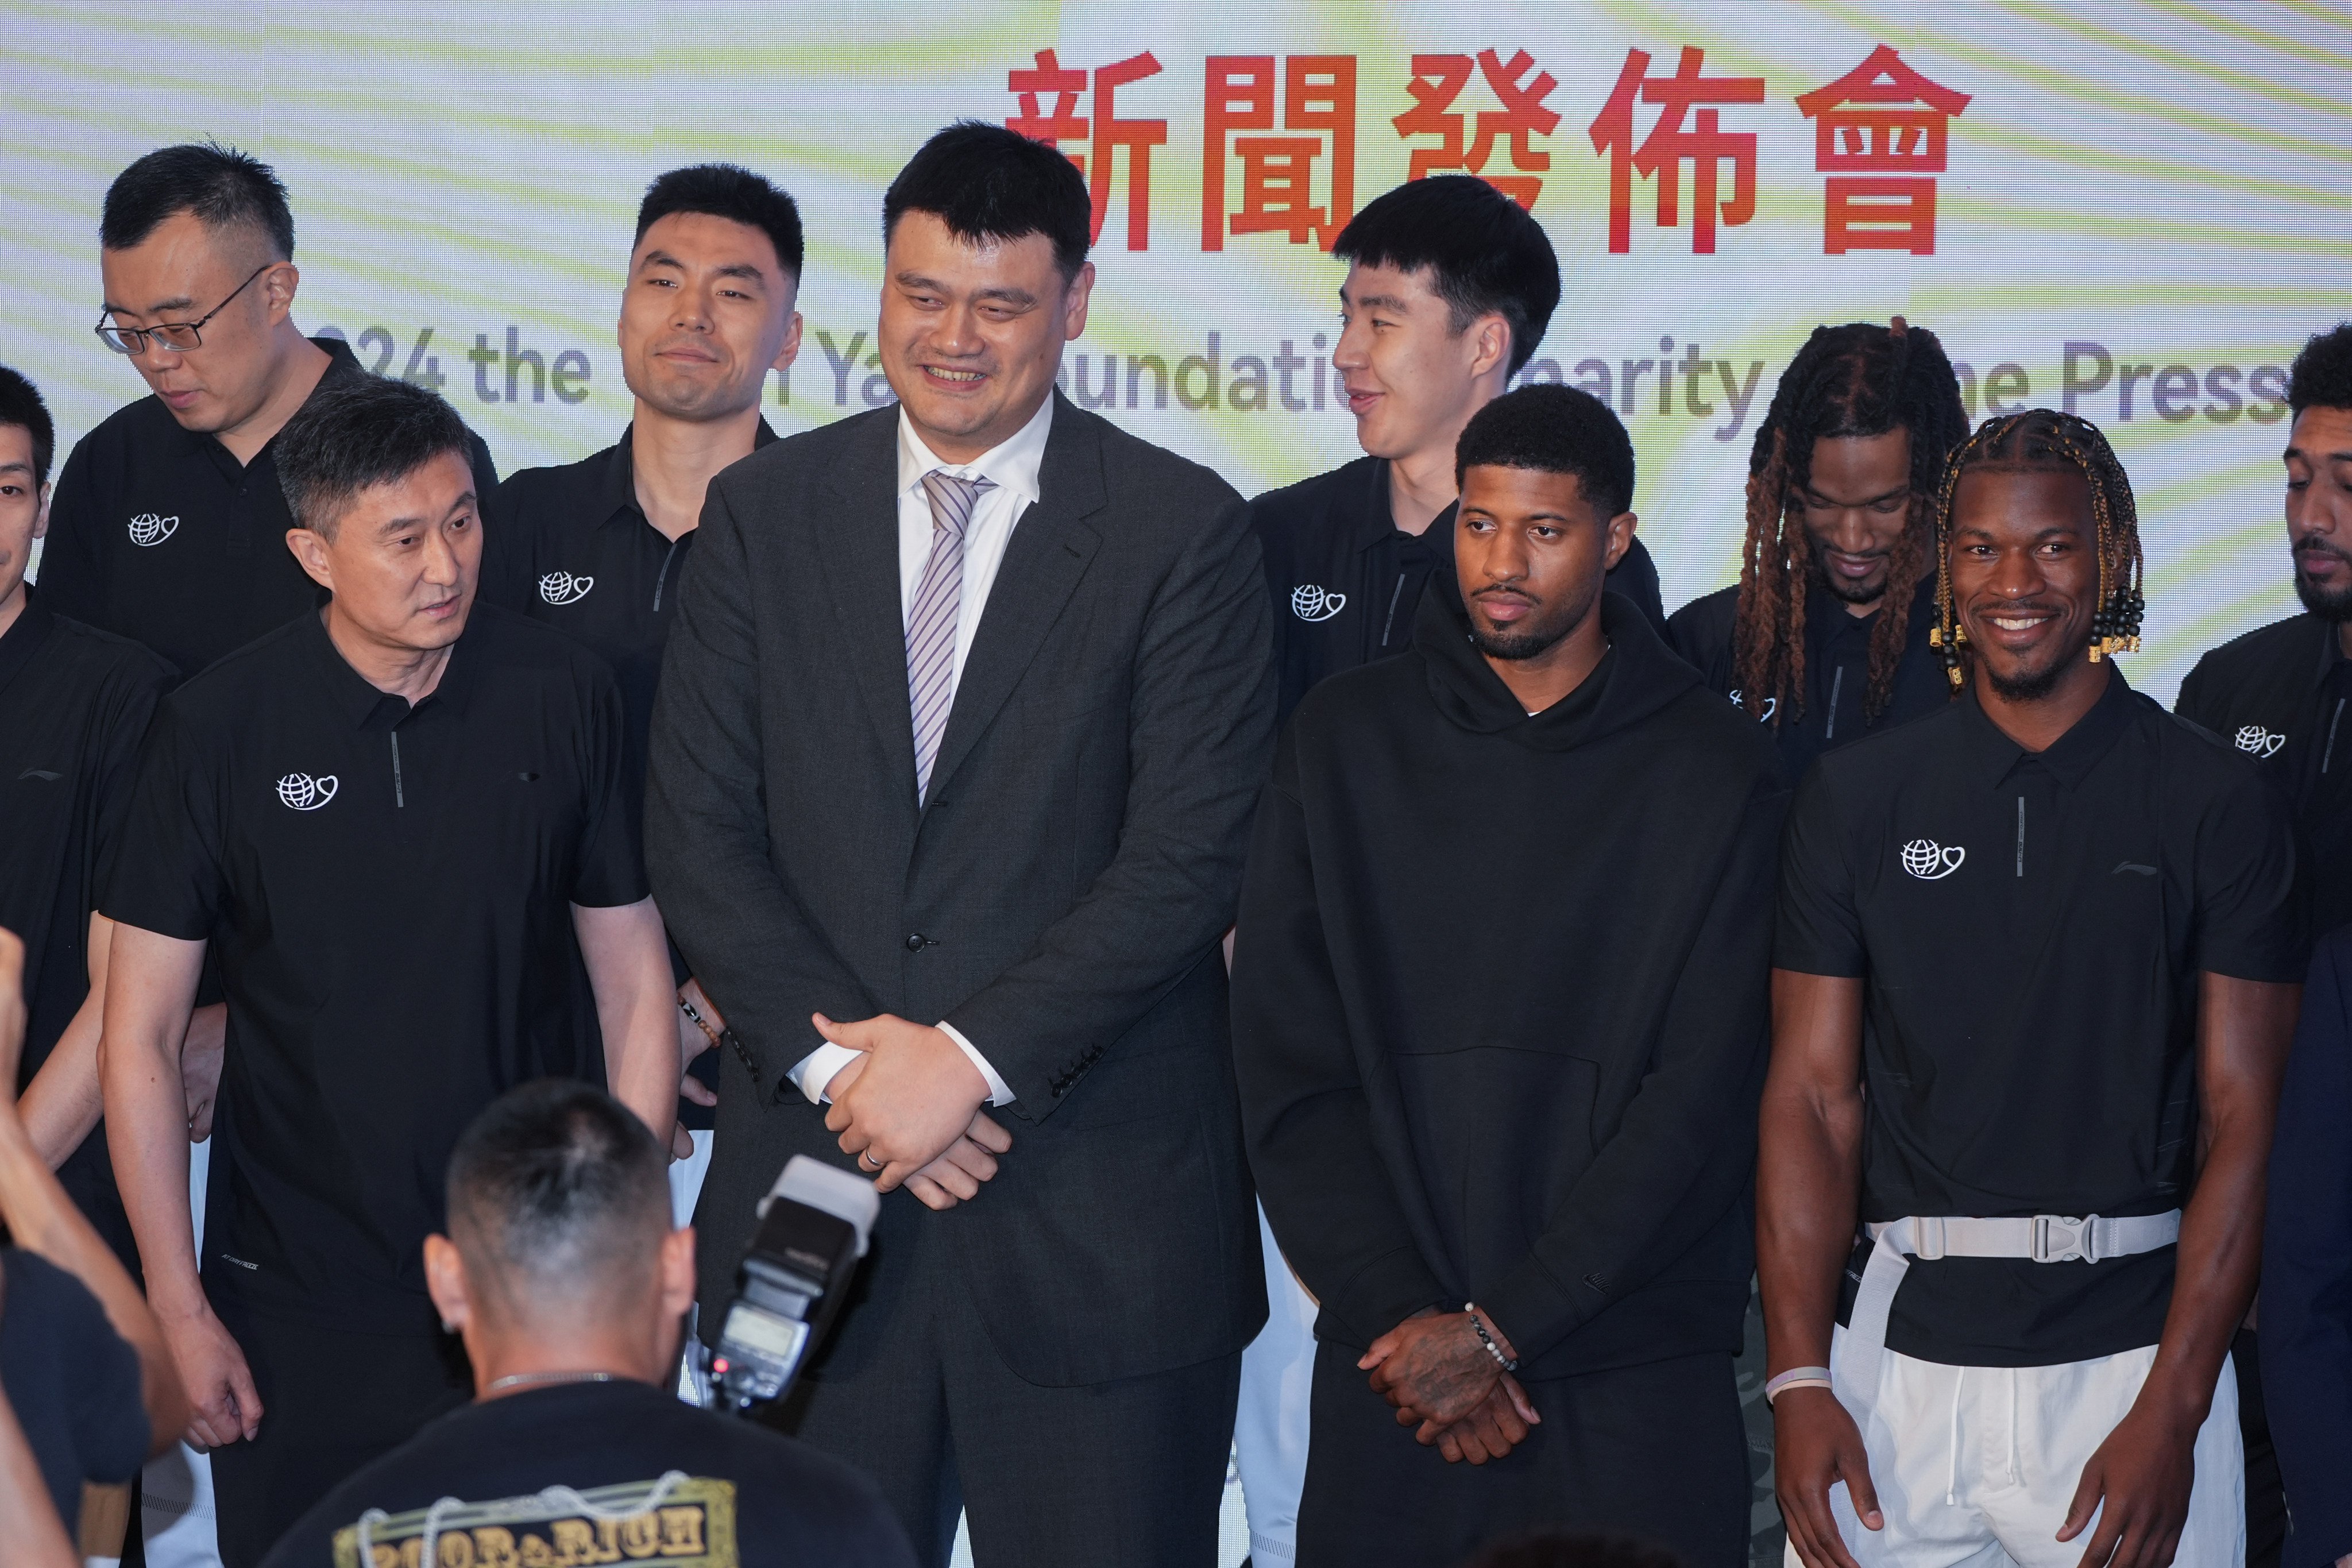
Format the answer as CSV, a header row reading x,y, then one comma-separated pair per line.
x,y
2336,607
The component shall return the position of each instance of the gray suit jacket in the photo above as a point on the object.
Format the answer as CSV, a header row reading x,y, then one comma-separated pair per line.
x,y
1059,898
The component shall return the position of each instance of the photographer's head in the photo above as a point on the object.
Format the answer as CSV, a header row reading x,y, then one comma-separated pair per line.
x,y
560,1257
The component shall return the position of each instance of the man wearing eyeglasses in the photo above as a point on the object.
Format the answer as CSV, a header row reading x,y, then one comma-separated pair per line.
x,y
168,525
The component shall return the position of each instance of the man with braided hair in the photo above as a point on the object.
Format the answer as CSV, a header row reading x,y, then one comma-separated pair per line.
x,y
1824,637
1999,1301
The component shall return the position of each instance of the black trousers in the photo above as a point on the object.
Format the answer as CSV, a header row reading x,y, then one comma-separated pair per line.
x,y
1128,1474
1656,1452
330,1402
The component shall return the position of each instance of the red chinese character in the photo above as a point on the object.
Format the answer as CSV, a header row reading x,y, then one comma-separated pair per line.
x,y
1110,132
1318,96
1896,128
1661,156
1437,82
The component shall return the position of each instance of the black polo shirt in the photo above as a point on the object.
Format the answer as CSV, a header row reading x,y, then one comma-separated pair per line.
x,y
157,533
2031,927
74,704
2282,695
568,546
388,891
1837,671
1346,580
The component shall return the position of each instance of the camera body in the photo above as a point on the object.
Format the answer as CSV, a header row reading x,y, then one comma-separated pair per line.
x,y
813,1228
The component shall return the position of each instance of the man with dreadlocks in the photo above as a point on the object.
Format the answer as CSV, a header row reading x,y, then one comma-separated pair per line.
x,y
1825,636
2022,1353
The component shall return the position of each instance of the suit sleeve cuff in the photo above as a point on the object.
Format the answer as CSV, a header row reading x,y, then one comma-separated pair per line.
x,y
814,1071
999,1091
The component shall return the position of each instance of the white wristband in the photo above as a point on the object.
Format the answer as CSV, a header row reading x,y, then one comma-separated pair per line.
x,y
1796,1377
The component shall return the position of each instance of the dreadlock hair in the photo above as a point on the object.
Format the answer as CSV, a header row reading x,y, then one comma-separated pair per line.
x,y
2043,439
1860,379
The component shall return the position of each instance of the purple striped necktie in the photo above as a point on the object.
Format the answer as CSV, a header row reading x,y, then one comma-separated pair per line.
x,y
932,623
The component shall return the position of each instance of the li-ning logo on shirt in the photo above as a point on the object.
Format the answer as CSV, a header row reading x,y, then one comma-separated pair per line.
x,y
563,588
1309,603
1928,860
2262,742
1771,705
148,529
304,792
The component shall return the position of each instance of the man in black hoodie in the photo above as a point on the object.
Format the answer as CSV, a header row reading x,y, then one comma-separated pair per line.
x,y
1498,1013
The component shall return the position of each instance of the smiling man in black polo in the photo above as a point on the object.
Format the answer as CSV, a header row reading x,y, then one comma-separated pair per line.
x,y
596,547
404,824
2050,939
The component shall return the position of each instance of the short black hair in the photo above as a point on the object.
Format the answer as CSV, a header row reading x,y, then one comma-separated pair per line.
x,y
1484,253
21,404
734,193
224,187
1559,429
557,1178
2321,376
363,432
986,182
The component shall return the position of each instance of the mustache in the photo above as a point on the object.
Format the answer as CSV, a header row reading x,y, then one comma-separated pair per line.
x,y
2321,547
2016,607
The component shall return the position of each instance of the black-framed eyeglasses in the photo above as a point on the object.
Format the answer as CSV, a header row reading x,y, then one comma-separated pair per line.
x,y
177,336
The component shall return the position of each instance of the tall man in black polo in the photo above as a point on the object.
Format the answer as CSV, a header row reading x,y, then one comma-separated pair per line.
x,y
1450,286
596,547
2279,694
2050,938
169,518
953,766
74,703
404,822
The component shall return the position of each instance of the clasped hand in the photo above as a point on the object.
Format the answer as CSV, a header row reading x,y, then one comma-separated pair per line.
x,y
908,1105
1437,1373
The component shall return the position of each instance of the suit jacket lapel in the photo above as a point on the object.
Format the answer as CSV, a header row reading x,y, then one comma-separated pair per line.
x,y
859,548
1048,553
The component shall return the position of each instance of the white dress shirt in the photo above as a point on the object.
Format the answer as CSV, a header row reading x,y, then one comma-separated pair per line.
x,y
1012,469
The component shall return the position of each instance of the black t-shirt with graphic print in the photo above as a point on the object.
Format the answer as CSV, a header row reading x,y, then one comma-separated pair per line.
x,y
2031,927
599,1472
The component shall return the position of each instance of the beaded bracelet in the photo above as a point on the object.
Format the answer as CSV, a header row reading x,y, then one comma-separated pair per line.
x,y
1487,1339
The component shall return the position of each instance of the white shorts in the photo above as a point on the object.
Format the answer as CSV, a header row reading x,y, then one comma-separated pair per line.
x,y
1975,1467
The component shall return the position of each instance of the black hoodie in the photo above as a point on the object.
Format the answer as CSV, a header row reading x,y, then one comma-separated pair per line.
x,y
1499,997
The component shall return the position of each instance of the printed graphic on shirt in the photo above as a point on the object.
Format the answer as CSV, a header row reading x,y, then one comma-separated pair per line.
x,y
563,588
2262,742
149,529
1928,860
1739,699
673,1522
304,792
1309,603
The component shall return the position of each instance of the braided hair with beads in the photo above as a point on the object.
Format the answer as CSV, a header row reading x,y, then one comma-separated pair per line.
x,y
2045,439
1857,380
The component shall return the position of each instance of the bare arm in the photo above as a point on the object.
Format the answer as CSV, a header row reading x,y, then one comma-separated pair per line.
x,y
637,1005
1808,1197
44,1221
2144,1469
62,1103
151,986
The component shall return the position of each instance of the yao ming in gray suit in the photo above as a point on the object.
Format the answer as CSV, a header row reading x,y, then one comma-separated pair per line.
x,y
960,730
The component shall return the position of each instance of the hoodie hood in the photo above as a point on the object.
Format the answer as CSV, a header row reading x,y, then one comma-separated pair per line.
x,y
1636,678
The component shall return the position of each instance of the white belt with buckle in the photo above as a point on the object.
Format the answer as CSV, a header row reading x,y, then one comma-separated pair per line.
x,y
2039,1238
